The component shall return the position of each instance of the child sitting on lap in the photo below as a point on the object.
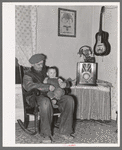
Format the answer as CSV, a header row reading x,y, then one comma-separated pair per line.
x,y
52,79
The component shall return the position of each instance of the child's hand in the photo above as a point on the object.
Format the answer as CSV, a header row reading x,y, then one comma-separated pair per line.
x,y
45,80
51,88
61,83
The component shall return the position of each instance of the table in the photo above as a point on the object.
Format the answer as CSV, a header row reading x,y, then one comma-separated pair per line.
x,y
92,102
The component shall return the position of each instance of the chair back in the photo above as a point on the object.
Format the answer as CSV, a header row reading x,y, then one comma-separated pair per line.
x,y
22,71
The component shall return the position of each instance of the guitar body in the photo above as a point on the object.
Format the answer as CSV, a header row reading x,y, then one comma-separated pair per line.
x,y
102,46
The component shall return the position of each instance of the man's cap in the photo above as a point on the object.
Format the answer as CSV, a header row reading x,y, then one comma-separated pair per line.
x,y
37,58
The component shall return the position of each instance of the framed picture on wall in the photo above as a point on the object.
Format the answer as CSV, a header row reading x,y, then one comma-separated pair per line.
x,y
66,22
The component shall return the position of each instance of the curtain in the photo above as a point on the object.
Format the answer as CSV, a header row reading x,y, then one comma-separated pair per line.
x,y
25,33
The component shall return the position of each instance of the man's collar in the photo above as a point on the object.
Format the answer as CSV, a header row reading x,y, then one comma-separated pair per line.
x,y
36,71
33,70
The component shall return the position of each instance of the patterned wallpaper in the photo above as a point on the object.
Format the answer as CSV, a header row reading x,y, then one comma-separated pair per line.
x,y
25,32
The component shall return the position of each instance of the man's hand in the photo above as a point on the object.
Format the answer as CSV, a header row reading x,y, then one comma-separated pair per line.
x,y
51,88
60,80
63,85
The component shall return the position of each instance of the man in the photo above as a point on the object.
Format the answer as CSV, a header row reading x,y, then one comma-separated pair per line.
x,y
34,79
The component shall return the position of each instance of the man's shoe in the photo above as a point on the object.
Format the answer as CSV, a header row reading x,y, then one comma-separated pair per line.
x,y
47,139
67,137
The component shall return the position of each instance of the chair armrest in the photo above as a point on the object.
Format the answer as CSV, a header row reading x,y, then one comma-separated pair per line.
x,y
31,92
30,102
35,91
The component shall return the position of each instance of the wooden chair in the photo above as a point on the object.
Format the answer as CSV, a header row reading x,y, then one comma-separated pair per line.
x,y
28,110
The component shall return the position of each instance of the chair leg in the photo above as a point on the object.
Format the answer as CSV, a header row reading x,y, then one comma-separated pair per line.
x,y
26,120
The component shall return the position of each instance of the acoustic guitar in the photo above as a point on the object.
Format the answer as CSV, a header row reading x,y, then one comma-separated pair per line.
x,y
102,46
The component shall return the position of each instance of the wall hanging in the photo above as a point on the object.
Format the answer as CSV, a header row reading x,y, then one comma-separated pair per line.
x,y
102,46
66,22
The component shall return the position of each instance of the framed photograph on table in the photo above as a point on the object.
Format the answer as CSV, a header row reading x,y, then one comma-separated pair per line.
x,y
66,22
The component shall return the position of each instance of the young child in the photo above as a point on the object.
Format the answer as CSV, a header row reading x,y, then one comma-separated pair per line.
x,y
56,82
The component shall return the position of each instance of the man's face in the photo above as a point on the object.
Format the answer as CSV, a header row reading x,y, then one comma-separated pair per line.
x,y
51,73
38,66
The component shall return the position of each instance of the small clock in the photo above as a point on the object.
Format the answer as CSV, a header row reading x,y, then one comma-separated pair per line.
x,y
86,51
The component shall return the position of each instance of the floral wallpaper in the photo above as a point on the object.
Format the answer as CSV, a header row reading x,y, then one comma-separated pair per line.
x,y
25,32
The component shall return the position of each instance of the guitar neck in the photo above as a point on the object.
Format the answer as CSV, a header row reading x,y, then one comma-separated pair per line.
x,y
100,27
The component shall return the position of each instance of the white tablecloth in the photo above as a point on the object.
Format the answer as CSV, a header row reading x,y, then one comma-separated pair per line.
x,y
92,102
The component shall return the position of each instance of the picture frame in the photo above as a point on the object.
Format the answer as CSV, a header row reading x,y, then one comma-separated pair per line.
x,y
66,22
